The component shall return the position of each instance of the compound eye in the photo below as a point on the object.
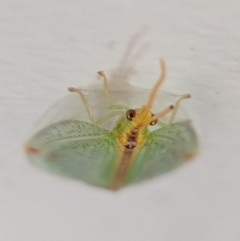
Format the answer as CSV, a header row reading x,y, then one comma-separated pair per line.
x,y
152,123
131,114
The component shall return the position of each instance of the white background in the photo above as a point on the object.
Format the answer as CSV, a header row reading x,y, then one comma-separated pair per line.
x,y
47,46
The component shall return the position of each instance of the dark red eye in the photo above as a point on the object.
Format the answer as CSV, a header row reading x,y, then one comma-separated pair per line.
x,y
152,123
131,114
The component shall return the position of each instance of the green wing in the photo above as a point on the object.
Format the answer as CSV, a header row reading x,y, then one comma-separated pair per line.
x,y
84,151
75,149
166,149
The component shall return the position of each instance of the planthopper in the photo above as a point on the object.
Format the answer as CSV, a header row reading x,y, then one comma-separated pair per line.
x,y
113,156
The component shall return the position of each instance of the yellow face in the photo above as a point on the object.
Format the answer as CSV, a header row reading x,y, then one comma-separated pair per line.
x,y
141,117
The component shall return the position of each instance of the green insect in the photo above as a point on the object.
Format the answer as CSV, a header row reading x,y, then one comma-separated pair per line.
x,y
128,153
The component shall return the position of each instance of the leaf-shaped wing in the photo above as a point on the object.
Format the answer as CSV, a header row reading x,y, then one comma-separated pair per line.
x,y
166,149
75,149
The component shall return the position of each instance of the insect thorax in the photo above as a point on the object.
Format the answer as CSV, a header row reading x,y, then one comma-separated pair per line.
x,y
129,136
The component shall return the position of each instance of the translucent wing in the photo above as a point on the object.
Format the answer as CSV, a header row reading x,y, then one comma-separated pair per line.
x,y
166,149
71,106
75,149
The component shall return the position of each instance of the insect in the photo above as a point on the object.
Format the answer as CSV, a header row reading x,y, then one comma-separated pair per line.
x,y
128,153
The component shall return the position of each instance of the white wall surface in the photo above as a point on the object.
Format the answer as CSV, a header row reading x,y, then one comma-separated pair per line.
x,y
47,46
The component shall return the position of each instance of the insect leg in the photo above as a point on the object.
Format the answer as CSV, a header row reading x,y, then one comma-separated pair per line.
x,y
111,114
176,106
84,100
162,124
106,93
